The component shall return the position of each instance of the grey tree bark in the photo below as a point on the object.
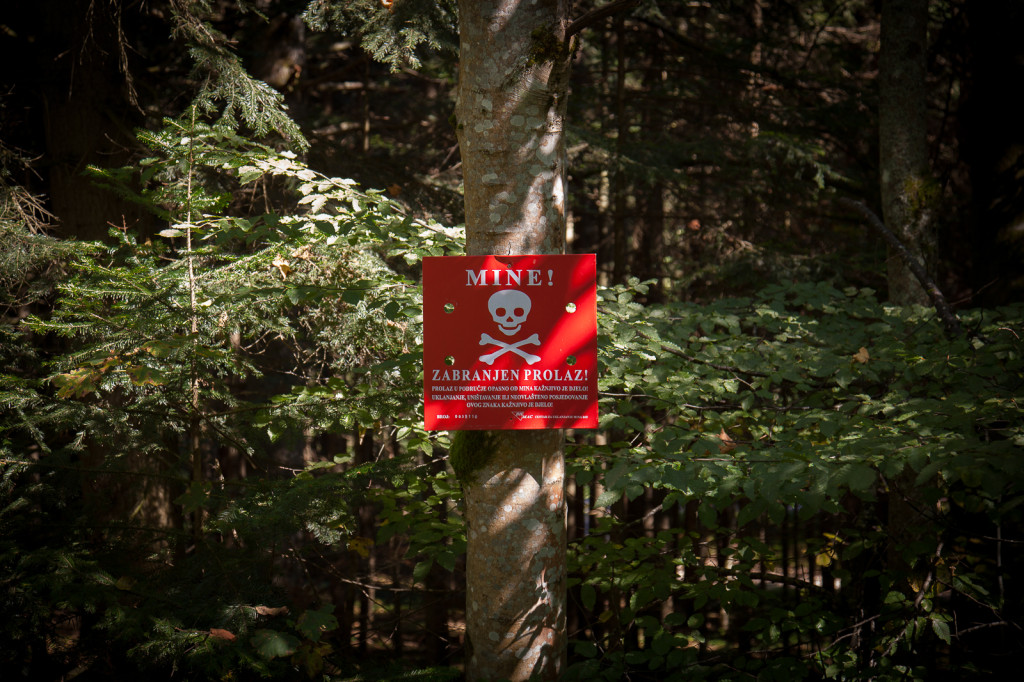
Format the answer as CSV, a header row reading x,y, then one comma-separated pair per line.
x,y
908,192
908,199
513,82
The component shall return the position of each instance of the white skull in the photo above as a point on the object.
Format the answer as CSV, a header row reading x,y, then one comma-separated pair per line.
x,y
509,309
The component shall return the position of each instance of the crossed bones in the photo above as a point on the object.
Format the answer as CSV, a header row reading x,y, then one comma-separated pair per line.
x,y
533,340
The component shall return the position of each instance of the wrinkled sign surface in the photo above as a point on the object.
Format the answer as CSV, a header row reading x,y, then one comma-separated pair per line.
x,y
510,342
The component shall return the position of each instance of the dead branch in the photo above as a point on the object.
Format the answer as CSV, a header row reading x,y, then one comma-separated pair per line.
x,y
949,318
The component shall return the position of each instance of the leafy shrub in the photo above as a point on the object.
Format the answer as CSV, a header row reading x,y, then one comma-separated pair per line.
x,y
806,405
154,482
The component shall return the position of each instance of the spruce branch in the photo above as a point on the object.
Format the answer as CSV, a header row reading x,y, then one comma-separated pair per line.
x,y
225,79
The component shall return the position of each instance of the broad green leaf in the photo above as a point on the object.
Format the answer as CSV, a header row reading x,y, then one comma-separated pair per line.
x,y
313,623
272,644
141,375
196,498
588,596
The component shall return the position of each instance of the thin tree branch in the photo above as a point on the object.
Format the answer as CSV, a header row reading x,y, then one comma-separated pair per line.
x,y
597,14
724,368
767,577
949,318
1002,623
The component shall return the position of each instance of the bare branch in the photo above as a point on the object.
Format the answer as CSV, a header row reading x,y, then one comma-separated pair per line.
x,y
595,15
949,318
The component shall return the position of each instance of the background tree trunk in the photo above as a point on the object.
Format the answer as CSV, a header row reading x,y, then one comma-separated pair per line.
x,y
908,199
908,192
513,82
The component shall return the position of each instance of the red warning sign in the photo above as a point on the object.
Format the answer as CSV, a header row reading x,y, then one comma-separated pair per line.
x,y
510,342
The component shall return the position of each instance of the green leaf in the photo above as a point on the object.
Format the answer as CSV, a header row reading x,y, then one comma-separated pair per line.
x,y
271,644
76,384
662,644
828,427
941,629
142,375
588,596
446,560
750,511
857,476
392,310
312,624
608,498
196,497
420,571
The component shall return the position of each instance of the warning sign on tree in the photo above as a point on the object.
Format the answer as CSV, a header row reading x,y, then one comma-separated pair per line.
x,y
510,342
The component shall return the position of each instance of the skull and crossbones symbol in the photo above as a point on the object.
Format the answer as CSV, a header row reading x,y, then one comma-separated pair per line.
x,y
509,308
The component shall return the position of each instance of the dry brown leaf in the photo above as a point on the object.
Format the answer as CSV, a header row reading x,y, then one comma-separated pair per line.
x,y
282,265
862,356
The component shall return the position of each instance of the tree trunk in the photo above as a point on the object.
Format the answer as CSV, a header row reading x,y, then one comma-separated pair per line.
x,y
620,184
82,91
908,193
513,82
908,199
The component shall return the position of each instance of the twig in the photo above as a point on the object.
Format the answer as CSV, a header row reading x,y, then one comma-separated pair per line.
x,y
595,15
765,576
1001,623
724,368
949,318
